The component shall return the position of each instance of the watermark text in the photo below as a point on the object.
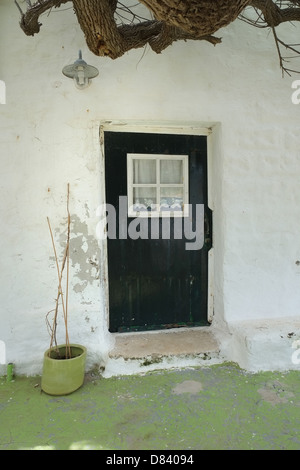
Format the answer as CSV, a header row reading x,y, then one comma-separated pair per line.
x,y
2,92
2,353
296,93
296,353
115,224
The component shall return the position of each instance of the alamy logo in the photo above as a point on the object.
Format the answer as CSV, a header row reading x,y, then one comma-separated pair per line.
x,y
190,229
296,94
296,353
2,92
2,353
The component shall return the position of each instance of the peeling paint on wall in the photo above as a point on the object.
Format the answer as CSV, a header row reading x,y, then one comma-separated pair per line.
x,y
84,254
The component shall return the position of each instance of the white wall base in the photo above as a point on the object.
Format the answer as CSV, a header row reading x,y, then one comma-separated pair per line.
x,y
263,345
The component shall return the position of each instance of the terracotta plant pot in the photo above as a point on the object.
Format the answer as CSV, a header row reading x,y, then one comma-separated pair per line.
x,y
63,376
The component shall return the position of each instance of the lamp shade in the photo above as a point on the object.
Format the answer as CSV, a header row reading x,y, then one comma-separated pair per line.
x,y
81,72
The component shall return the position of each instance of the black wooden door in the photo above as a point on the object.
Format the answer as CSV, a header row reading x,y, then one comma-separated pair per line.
x,y
156,283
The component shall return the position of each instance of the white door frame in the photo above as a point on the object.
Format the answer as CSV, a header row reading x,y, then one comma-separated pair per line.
x,y
213,133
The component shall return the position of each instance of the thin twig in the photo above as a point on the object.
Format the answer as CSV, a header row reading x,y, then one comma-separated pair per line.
x,y
68,349
19,8
60,291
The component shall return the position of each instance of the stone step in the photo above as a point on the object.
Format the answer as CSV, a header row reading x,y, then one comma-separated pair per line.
x,y
181,347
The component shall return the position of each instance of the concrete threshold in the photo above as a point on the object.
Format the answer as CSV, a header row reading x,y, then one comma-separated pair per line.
x,y
164,349
164,343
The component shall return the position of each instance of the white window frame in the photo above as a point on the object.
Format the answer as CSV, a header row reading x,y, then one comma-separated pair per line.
x,y
157,185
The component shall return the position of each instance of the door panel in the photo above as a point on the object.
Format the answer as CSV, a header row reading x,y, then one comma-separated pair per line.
x,y
156,283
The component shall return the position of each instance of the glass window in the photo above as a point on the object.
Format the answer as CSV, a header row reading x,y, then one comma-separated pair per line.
x,y
171,171
171,199
144,171
144,199
157,185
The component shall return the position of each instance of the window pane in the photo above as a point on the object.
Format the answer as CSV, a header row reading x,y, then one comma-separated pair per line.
x,y
171,171
144,171
144,199
171,199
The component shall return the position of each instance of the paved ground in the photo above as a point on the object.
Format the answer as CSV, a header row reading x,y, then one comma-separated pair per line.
x,y
217,407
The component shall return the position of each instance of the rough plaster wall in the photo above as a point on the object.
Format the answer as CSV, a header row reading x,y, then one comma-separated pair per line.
x,y
48,139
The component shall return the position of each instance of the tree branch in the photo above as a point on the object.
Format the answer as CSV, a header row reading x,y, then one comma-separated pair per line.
x,y
271,15
198,18
105,38
274,15
29,20
112,28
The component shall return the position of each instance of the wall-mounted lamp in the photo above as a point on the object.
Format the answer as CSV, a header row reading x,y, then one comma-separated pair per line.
x,y
81,72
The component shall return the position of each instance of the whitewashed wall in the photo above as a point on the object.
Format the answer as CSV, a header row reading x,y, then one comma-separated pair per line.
x,y
49,137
